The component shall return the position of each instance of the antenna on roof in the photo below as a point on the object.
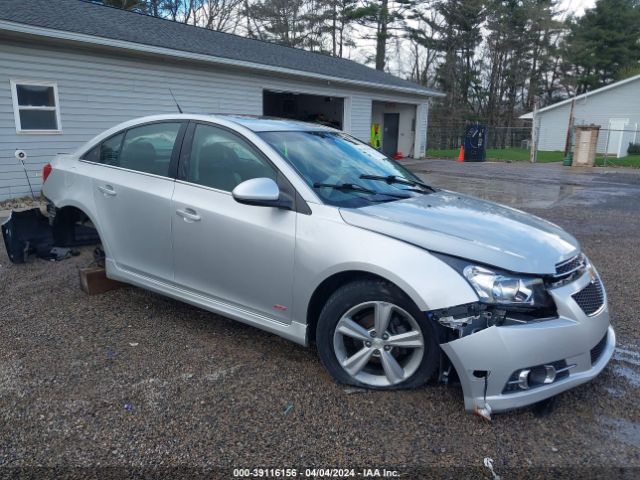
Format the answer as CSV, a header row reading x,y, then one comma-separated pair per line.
x,y
174,99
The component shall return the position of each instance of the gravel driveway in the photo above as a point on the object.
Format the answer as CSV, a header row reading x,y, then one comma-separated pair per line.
x,y
91,384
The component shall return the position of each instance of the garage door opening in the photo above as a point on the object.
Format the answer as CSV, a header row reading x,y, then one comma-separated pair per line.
x,y
307,108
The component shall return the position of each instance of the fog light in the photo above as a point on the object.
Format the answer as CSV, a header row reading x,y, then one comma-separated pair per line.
x,y
537,376
523,379
542,375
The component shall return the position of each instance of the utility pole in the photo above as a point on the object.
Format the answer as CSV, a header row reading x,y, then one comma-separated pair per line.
x,y
534,134
567,144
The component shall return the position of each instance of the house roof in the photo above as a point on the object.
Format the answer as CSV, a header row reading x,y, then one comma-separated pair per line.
x,y
529,116
83,18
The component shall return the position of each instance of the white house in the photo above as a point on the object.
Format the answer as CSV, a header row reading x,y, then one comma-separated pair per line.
x,y
70,69
615,107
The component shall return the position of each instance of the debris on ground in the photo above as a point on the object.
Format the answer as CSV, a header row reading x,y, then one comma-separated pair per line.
x,y
57,254
484,412
353,390
488,462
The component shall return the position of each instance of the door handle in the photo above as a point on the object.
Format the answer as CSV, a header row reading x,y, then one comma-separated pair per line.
x,y
108,190
189,215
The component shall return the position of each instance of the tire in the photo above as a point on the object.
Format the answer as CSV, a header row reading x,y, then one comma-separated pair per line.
x,y
347,325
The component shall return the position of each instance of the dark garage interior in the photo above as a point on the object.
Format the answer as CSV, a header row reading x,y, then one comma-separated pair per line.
x,y
301,106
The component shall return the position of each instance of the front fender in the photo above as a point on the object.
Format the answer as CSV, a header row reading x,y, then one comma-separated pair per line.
x,y
326,245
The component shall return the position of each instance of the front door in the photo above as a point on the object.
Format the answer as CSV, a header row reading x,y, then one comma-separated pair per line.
x,y
240,255
390,133
132,189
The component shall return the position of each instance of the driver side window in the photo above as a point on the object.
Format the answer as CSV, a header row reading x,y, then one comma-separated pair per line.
x,y
222,160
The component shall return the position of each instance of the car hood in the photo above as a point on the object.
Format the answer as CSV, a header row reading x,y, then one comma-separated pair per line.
x,y
470,228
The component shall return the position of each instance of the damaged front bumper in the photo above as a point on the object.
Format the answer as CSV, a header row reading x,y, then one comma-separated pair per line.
x,y
510,366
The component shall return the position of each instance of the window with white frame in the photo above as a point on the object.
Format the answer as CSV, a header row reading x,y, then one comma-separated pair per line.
x,y
36,107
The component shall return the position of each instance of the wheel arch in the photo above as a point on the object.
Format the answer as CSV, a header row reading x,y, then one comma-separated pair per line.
x,y
332,283
71,207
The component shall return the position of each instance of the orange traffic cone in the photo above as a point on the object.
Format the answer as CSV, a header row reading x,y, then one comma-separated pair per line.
x,y
461,154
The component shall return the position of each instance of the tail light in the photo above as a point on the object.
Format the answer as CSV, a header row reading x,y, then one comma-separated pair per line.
x,y
46,171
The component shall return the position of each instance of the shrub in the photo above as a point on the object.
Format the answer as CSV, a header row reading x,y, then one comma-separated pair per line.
x,y
634,149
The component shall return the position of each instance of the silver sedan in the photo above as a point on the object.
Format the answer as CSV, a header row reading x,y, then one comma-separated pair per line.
x,y
306,232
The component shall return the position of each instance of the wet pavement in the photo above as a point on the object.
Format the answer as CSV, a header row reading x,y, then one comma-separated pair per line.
x,y
132,379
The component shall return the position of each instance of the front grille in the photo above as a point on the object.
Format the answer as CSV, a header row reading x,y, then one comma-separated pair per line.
x,y
570,266
590,298
596,352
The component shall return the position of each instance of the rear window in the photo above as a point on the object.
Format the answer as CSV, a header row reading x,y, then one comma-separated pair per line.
x,y
108,152
148,148
145,149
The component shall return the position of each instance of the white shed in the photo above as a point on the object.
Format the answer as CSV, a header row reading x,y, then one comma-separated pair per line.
x,y
615,107
70,69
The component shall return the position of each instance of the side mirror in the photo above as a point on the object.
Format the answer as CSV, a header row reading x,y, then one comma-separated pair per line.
x,y
263,192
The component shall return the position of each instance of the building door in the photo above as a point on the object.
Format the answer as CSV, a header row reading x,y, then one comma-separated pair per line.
x,y
390,133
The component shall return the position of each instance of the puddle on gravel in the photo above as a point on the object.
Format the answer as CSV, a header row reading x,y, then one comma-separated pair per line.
x,y
626,355
623,430
627,360
512,193
631,375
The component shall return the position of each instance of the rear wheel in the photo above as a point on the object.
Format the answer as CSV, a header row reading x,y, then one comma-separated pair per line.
x,y
372,335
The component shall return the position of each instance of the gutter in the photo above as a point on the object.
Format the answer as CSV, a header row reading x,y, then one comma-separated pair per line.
x,y
168,52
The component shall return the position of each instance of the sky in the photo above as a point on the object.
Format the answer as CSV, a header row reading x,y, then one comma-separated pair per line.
x,y
577,6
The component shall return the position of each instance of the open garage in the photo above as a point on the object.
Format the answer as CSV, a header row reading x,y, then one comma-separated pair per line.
x,y
326,110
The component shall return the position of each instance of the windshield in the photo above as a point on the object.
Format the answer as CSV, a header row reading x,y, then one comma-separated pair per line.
x,y
333,163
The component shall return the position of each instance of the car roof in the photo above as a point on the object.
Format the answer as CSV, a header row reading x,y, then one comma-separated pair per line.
x,y
272,124
252,122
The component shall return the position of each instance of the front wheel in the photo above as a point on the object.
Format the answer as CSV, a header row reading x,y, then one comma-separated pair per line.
x,y
370,334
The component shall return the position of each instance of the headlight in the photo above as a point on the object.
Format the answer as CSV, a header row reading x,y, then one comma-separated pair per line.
x,y
501,289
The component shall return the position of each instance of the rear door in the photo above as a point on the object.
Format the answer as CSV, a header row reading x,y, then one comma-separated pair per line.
x,y
132,188
240,255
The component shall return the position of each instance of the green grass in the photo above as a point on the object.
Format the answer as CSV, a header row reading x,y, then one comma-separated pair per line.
x,y
502,154
522,155
628,161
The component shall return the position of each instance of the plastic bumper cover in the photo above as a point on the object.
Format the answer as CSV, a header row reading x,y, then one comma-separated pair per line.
x,y
502,350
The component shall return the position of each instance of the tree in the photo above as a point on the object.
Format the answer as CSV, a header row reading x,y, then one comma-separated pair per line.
x,y
338,19
383,20
286,22
602,43
458,35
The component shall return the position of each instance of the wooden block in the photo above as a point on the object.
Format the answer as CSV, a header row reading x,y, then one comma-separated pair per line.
x,y
93,280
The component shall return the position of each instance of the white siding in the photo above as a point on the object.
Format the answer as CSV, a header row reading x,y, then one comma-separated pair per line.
x,y
361,117
99,90
622,102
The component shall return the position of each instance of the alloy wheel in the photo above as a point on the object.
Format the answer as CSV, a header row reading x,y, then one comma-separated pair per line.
x,y
378,344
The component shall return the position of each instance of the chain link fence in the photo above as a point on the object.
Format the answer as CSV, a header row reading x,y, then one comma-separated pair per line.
x,y
448,136
615,146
